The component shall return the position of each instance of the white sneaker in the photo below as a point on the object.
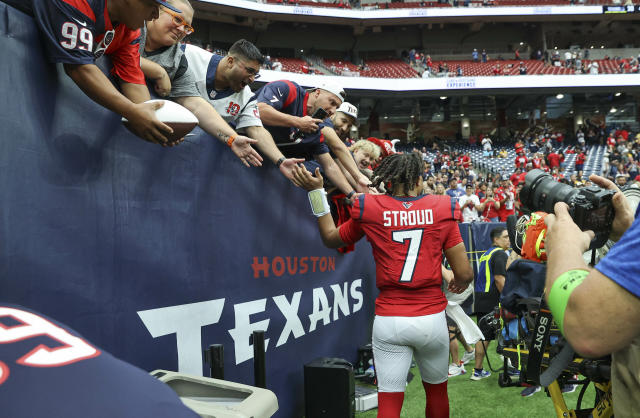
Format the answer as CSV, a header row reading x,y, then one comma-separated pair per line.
x,y
455,370
468,356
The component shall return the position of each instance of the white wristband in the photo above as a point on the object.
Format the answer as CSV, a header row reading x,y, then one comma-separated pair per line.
x,y
319,204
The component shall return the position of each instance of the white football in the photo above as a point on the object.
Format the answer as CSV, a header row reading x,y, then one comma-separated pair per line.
x,y
178,117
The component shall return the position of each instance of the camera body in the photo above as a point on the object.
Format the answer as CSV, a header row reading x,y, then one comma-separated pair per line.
x,y
591,208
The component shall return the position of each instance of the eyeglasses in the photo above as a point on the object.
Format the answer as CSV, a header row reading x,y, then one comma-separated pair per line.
x,y
179,21
251,71
104,44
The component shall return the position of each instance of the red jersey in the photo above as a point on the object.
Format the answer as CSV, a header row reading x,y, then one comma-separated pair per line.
x,y
490,210
611,141
580,158
505,196
554,160
521,161
75,31
465,161
536,162
408,236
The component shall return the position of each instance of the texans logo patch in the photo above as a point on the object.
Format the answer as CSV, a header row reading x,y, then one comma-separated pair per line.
x,y
407,205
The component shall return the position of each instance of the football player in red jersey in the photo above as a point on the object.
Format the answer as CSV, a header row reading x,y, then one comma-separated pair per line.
x,y
408,233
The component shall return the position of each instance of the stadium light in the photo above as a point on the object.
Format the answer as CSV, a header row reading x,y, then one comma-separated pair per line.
x,y
618,94
597,111
559,96
461,114
601,46
521,43
386,117
591,46
613,110
443,97
489,114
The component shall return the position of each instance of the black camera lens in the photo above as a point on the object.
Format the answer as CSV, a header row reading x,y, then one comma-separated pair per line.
x,y
541,192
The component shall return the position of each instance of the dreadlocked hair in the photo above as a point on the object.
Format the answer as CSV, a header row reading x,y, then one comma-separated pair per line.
x,y
398,169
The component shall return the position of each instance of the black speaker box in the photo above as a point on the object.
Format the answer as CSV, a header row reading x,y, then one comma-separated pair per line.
x,y
329,389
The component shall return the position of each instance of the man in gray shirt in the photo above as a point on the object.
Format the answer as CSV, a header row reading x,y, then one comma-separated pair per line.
x,y
163,61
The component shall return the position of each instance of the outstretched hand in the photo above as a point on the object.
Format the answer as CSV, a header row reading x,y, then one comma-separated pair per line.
x,y
242,148
562,232
624,215
287,167
303,178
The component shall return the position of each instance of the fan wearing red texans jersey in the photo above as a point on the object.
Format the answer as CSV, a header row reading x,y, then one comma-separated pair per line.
x,y
48,370
77,32
408,233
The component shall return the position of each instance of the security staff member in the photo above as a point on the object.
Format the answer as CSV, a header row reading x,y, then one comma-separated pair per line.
x,y
489,284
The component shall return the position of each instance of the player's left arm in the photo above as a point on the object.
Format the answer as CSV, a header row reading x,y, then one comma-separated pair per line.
x,y
344,156
212,123
332,237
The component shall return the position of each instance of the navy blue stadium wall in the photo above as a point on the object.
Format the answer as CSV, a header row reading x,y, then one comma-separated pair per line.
x,y
153,253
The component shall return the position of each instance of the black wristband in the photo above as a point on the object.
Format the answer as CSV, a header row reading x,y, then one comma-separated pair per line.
x,y
280,161
350,194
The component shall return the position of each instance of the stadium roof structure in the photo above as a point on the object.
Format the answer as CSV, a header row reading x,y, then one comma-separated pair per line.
x,y
381,17
468,86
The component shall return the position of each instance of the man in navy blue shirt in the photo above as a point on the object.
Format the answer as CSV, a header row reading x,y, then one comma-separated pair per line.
x,y
598,309
48,370
286,109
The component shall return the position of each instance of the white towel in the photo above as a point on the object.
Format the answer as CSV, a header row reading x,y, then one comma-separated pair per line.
x,y
468,327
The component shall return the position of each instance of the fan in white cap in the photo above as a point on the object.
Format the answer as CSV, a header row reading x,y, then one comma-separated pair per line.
x,y
349,110
335,89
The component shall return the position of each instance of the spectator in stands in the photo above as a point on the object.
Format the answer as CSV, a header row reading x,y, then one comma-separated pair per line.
x,y
440,191
163,56
506,196
489,207
287,119
459,71
521,160
474,55
267,64
429,185
522,69
553,160
487,145
484,55
469,203
454,190
277,65
580,159
568,56
420,316
73,45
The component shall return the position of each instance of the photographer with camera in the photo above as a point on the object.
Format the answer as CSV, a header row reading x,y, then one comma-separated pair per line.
x,y
488,286
598,309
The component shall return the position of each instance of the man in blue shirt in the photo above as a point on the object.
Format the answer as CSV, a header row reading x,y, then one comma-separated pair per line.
x,y
598,309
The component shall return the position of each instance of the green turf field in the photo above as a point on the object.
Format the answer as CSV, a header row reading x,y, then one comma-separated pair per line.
x,y
484,398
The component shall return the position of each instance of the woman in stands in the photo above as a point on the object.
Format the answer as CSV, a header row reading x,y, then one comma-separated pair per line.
x,y
408,233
